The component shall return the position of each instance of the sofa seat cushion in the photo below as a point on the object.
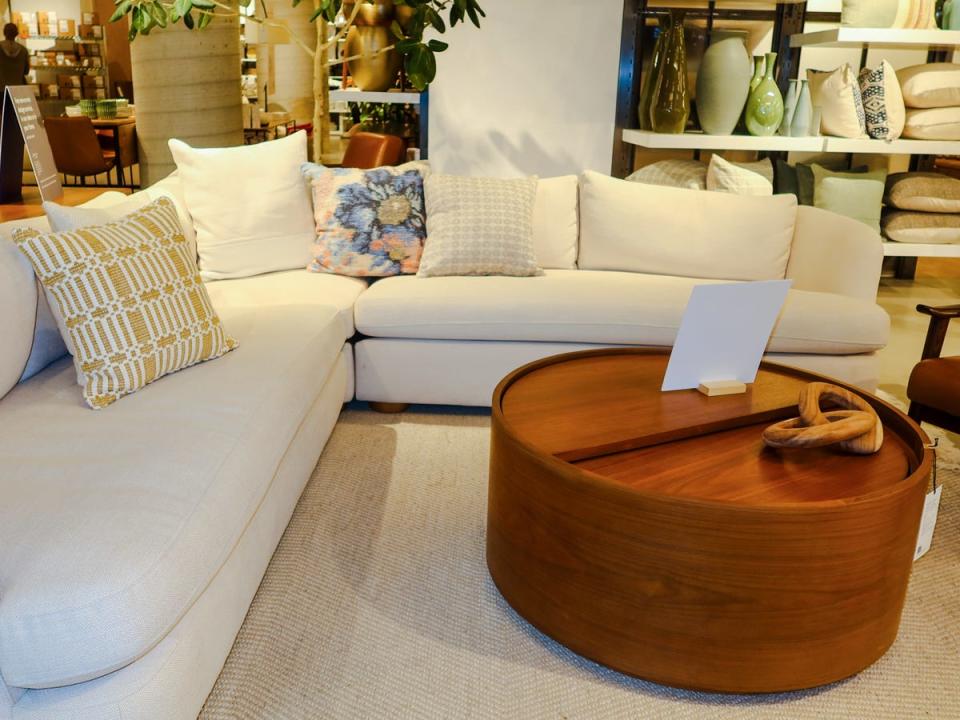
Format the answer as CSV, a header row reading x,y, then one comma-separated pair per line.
x,y
581,306
290,287
113,523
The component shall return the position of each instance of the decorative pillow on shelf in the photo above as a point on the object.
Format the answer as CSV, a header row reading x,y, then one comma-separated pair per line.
x,y
837,94
930,85
479,226
922,227
916,15
869,13
882,102
249,204
804,176
369,223
690,174
923,192
934,124
130,298
855,195
754,178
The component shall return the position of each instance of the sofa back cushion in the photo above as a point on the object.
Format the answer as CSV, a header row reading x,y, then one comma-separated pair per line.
x,y
556,225
30,339
688,233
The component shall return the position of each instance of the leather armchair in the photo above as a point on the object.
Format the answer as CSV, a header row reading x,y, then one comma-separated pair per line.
x,y
934,387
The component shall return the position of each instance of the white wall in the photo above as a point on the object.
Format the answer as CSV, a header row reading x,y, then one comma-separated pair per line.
x,y
532,92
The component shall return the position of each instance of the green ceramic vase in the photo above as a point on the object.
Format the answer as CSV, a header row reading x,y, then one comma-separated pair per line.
x,y
653,77
670,107
765,105
723,83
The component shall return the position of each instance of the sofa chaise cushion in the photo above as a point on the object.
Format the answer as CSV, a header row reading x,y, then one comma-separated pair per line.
x,y
291,287
580,306
113,523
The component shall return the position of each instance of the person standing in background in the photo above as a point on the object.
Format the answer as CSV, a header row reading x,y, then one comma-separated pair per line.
x,y
14,59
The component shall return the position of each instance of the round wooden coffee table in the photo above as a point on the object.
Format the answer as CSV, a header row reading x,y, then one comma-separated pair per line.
x,y
653,533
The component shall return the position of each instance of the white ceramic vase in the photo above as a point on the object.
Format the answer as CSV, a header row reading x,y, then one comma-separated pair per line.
x,y
789,107
723,83
802,121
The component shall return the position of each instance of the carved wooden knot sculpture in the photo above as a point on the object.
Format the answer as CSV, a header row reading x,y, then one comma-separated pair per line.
x,y
855,425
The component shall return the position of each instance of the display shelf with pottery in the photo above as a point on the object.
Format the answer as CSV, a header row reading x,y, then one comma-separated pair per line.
x,y
840,37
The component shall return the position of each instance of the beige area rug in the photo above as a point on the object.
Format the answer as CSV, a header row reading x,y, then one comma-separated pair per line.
x,y
377,604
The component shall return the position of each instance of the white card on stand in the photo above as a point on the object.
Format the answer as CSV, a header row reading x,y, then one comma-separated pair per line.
x,y
724,333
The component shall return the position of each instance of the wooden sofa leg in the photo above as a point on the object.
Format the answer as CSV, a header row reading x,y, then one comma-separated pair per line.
x,y
388,407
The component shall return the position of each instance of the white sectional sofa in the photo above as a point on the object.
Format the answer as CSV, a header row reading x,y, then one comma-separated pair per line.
x,y
135,537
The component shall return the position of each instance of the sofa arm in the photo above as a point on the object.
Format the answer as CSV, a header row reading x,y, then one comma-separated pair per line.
x,y
835,254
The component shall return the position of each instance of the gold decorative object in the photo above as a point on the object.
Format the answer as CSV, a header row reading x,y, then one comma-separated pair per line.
x,y
370,68
853,424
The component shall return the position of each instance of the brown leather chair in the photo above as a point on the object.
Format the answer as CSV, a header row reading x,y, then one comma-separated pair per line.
x,y
369,150
934,388
77,150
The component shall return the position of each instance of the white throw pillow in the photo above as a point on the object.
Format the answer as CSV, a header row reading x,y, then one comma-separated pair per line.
x,y
933,124
869,13
740,178
670,231
931,85
837,94
916,15
479,226
690,174
249,204
556,222
882,102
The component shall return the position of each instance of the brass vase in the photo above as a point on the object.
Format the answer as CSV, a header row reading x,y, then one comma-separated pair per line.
x,y
670,107
653,76
375,73
371,14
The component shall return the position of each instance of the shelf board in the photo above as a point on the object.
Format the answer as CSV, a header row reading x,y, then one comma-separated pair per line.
x,y
895,147
878,37
896,249
702,141
401,98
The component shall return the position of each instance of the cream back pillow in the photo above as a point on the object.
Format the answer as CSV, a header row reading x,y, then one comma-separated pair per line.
x,y
556,222
931,85
131,300
249,204
670,231
916,15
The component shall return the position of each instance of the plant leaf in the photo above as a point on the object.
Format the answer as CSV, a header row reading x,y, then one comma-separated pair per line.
x,y
205,19
188,19
315,14
183,6
438,45
204,4
123,7
396,30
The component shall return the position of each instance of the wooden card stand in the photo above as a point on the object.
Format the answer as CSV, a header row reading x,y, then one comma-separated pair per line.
x,y
716,388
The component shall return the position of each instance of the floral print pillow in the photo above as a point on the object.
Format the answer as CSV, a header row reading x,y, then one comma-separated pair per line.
x,y
370,223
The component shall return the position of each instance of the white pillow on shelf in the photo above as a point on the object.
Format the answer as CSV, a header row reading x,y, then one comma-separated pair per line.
x,y
933,124
250,206
754,178
837,94
930,85
689,174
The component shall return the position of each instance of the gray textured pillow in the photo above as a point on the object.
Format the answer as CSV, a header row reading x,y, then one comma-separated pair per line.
x,y
479,226
923,192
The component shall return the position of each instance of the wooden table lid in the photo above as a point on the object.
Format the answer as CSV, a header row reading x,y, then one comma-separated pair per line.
x,y
604,413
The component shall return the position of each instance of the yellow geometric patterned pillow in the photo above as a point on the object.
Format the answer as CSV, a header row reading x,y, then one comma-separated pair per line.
x,y
131,299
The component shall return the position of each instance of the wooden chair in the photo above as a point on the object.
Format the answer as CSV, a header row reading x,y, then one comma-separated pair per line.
x,y
77,150
369,150
934,387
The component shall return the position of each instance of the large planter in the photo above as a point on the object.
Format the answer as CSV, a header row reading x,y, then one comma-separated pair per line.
x,y
723,83
372,72
187,86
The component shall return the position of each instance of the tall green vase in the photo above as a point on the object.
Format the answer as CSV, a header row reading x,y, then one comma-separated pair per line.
x,y
653,76
765,105
670,107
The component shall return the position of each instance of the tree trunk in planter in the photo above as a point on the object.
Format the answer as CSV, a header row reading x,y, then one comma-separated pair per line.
x,y
186,86
287,70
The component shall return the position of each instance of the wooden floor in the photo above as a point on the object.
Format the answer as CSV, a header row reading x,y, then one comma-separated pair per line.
x,y
31,205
